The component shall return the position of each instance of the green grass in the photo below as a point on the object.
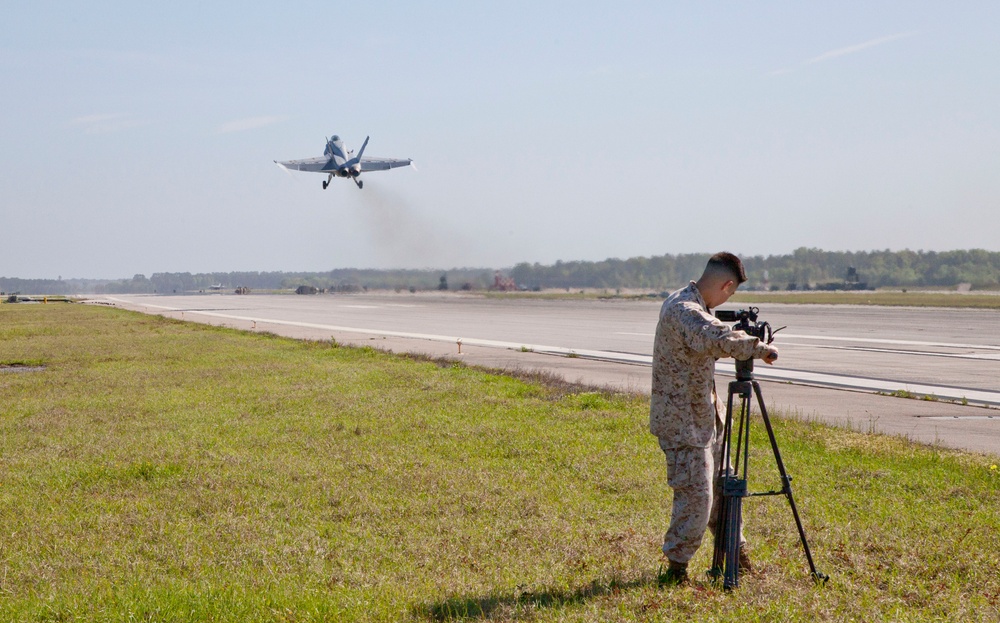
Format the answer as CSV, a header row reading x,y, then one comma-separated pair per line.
x,y
152,470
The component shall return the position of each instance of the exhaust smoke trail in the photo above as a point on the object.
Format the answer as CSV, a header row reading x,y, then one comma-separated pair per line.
x,y
403,236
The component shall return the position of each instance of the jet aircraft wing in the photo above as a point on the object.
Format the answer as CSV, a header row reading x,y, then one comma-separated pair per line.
x,y
383,164
318,164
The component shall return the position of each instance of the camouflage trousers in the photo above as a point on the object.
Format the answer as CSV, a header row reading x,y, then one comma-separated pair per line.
x,y
693,474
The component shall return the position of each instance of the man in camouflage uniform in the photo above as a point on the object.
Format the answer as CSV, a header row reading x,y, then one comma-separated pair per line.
x,y
685,411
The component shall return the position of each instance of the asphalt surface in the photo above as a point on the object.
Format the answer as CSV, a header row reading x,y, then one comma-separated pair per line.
x,y
833,359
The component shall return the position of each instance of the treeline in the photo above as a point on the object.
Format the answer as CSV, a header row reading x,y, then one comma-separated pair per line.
x,y
10,285
803,269
813,267
340,280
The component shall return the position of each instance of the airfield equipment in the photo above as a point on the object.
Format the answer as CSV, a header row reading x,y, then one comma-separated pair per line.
x,y
725,558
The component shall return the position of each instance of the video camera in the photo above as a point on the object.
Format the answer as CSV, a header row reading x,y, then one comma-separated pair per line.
x,y
746,321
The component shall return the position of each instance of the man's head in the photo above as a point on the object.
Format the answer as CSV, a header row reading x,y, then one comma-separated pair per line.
x,y
723,274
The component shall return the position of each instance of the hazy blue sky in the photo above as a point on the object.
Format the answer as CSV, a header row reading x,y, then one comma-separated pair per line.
x,y
138,137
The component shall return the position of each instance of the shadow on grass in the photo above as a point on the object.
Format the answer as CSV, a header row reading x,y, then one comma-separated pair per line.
x,y
477,607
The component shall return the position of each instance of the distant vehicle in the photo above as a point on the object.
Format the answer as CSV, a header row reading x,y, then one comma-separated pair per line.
x,y
338,161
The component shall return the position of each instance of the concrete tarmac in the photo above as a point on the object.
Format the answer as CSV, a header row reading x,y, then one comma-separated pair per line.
x,y
912,346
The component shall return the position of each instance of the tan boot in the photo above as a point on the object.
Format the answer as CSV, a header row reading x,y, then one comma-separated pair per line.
x,y
675,575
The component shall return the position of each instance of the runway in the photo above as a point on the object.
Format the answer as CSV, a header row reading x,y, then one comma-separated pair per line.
x,y
945,354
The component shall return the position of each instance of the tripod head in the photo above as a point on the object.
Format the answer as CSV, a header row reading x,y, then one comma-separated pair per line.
x,y
746,321
744,369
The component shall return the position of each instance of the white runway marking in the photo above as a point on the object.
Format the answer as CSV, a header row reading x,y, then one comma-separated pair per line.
x,y
860,340
962,417
892,342
891,351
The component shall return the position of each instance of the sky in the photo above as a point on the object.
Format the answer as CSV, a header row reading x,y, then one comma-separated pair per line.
x,y
141,137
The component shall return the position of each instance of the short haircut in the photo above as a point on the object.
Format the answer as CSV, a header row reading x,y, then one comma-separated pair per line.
x,y
728,263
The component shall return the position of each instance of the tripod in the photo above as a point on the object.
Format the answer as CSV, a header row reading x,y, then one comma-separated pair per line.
x,y
725,558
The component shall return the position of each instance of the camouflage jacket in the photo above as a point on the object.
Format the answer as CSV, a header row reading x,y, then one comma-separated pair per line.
x,y
684,407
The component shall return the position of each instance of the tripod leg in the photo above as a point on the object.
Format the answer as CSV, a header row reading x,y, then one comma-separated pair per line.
x,y
735,489
786,483
732,488
719,551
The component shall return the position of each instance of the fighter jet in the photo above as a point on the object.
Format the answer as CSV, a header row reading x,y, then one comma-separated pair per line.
x,y
341,162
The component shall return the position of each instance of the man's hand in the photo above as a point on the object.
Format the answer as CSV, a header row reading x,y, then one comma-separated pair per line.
x,y
772,355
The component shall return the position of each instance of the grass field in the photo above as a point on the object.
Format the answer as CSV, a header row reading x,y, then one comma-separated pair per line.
x,y
152,470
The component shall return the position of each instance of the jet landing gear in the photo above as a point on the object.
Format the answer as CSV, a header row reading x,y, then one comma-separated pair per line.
x,y
356,181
